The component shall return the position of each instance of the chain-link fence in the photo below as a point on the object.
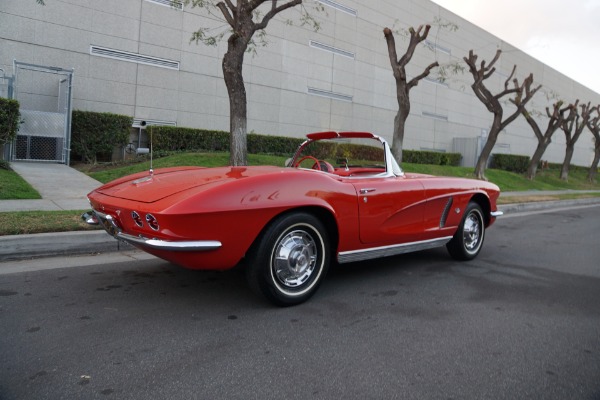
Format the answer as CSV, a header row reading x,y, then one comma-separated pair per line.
x,y
5,85
41,136
44,95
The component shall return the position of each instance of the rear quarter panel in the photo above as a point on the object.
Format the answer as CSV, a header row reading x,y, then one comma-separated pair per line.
x,y
235,212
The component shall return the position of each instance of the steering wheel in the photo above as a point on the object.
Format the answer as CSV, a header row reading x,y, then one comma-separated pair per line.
x,y
315,165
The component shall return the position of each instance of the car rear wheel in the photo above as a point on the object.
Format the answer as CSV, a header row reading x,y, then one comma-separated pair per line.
x,y
290,259
468,239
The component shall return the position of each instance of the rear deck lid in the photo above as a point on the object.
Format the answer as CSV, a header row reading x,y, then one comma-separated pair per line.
x,y
163,183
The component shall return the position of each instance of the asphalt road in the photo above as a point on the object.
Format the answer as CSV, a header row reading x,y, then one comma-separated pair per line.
x,y
521,321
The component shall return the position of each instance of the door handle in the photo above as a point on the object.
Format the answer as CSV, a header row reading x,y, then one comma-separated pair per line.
x,y
368,190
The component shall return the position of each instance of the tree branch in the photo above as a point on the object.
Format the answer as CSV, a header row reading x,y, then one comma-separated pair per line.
x,y
594,123
415,38
414,81
227,12
274,11
254,4
510,77
391,45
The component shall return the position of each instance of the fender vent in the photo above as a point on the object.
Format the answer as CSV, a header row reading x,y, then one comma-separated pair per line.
x,y
446,212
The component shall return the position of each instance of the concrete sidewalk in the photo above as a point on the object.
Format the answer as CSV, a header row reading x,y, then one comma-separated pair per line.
x,y
64,188
61,187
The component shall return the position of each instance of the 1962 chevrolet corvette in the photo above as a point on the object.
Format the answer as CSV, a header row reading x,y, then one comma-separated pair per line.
x,y
342,197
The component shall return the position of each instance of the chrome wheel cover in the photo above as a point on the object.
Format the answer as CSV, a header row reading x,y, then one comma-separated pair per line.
x,y
472,232
294,259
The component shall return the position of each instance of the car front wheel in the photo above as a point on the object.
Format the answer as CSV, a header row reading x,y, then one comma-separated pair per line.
x,y
290,259
468,239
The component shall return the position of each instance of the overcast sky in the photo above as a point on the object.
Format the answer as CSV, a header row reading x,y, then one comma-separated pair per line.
x,y
562,34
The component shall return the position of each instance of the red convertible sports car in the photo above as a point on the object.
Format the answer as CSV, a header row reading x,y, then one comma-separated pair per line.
x,y
342,197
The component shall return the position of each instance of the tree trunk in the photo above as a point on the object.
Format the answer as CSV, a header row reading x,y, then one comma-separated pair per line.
x,y
399,126
403,85
482,161
536,158
232,71
594,168
564,171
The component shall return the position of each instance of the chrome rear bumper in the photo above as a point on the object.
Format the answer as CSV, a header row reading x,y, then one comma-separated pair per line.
x,y
112,228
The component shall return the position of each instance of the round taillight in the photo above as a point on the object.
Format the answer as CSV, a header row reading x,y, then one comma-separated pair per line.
x,y
152,222
137,219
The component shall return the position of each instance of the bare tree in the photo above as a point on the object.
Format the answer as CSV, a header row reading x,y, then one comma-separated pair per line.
x,y
403,85
594,126
555,120
573,128
522,94
245,20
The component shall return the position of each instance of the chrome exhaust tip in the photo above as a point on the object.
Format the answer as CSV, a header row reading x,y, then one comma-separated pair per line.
x,y
90,218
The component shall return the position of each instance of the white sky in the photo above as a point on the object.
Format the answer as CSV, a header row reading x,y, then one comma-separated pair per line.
x,y
562,34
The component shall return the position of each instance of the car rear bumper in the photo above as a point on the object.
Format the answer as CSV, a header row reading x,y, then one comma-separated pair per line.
x,y
112,228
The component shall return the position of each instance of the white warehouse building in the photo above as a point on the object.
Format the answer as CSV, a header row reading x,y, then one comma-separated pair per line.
x,y
135,58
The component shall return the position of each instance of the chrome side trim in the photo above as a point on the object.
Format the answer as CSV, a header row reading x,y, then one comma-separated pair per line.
x,y
191,245
497,213
385,251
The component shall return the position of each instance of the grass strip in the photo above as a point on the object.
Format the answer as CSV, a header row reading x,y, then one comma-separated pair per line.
x,y
25,222
546,197
13,187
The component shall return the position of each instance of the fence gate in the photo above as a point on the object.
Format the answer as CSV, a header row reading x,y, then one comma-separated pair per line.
x,y
5,92
44,94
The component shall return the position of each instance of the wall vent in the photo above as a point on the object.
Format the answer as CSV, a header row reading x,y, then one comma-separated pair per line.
x,y
435,116
437,47
331,49
178,5
133,57
329,94
435,81
338,6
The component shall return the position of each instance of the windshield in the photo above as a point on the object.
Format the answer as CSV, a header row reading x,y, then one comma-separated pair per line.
x,y
352,157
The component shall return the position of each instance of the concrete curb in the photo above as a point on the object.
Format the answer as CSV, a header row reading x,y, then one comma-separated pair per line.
x,y
546,205
22,247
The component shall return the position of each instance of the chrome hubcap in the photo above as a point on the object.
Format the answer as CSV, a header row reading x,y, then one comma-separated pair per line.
x,y
295,258
472,231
